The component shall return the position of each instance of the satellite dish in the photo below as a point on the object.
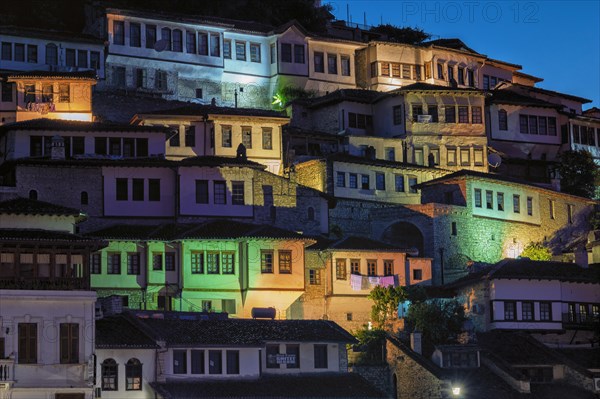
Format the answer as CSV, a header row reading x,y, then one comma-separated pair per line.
x,y
161,45
494,160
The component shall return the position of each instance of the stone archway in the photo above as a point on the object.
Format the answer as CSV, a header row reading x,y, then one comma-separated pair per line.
x,y
405,235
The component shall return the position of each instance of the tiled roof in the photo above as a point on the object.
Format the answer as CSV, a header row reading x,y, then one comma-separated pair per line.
x,y
420,86
553,93
25,206
49,34
516,348
213,160
354,95
340,157
527,269
43,235
77,126
322,385
243,332
204,110
585,357
508,96
452,43
214,229
354,243
79,75
117,332
121,107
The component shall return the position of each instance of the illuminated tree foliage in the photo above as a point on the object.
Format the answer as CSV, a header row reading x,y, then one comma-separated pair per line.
x,y
536,251
437,319
579,173
385,307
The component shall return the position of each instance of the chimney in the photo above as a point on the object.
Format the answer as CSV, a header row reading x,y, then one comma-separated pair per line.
x,y
57,150
415,342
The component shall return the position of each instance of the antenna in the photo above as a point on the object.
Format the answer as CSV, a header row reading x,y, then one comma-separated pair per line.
x,y
494,160
161,45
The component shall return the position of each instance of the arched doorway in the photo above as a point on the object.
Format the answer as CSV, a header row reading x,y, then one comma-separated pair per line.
x,y
405,235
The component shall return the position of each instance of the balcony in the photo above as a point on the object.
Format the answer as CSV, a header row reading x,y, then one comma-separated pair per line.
x,y
7,371
582,321
39,283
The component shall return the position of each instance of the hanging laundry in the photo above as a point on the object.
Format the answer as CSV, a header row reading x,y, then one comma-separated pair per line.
x,y
373,281
356,282
386,281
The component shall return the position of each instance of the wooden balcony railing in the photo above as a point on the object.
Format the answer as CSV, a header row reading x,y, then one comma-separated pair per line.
x,y
7,370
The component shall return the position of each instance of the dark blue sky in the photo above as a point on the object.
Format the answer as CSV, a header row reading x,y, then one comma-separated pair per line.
x,y
558,41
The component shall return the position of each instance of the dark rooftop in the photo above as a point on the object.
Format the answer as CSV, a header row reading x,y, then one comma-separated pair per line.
x,y
322,385
516,348
80,75
25,206
507,96
244,332
354,243
452,43
354,95
43,236
553,93
214,160
77,126
205,110
117,332
341,157
11,30
420,86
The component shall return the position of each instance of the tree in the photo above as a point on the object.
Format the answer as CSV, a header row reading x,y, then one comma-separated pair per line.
x,y
386,300
579,173
536,251
437,319
401,35
371,344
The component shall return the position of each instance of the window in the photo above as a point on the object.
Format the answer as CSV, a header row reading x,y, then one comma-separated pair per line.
x,y
340,269
266,261
190,136
286,52
267,138
341,179
371,267
157,261
6,51
285,262
314,276
470,78
19,52
529,206
199,93
463,114
293,354
219,194
110,375
465,157
416,111
451,156
179,362
29,93
118,76
332,64
451,73
543,126
319,62
552,126
502,120
201,191
227,263
254,52
399,183
364,180
516,203
215,362
51,54
417,275
138,189
412,182
247,136
190,43
523,124
237,193
197,262
6,92
169,261
489,199
299,53
153,189
533,126
177,41
440,71
320,353
545,311
212,263
47,95
160,80
271,354
390,154
419,156
527,310
206,306
380,181
569,213
197,359
133,263
27,350
551,209
226,136
373,69
133,375
450,114
397,114
509,310
388,267
64,93
273,53
113,263
96,264
461,76
433,111
135,35
215,45
454,228
353,180
119,32
355,266
150,36
240,50
233,362
500,201
476,116
227,49
121,189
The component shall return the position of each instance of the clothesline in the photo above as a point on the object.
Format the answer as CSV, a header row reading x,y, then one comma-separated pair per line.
x,y
358,282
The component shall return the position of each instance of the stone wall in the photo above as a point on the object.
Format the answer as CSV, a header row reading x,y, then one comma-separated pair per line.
x,y
312,174
378,376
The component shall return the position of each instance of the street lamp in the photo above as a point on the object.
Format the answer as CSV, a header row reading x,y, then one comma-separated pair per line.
x,y
455,391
